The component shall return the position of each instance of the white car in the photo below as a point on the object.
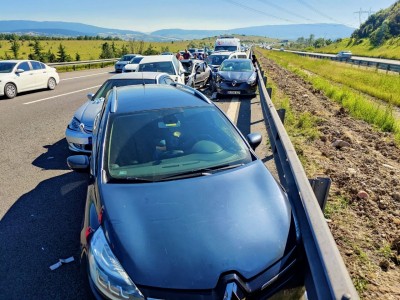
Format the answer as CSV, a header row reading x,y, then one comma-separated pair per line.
x,y
79,129
235,55
163,63
18,76
133,65
119,65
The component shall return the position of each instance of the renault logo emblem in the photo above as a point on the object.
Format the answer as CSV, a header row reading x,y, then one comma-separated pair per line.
x,y
234,83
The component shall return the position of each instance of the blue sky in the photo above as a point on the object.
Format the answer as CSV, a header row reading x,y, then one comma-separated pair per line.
x,y
150,15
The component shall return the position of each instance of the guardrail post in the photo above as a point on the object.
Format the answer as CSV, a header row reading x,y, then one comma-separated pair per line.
x,y
281,113
269,91
321,186
265,80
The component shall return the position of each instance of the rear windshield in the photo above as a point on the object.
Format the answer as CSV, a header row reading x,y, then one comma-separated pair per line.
x,y
109,84
162,66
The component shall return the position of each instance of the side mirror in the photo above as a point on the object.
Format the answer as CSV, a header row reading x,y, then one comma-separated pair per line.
x,y
90,96
79,163
20,71
254,140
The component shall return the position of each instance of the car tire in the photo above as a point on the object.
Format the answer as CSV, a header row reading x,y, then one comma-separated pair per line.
x,y
10,90
51,83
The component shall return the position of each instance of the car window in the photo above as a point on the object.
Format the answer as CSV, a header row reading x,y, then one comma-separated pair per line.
x,y
136,60
163,66
24,66
159,143
236,66
36,65
6,67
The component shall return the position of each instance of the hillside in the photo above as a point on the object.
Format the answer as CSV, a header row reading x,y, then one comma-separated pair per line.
x,y
69,29
381,26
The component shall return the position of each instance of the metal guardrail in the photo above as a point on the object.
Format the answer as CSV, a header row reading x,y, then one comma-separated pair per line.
x,y
385,65
326,275
84,62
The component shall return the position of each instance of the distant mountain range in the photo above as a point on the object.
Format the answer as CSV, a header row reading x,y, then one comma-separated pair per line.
x,y
68,29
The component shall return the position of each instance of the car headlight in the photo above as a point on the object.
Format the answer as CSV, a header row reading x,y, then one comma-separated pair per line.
x,y
107,273
252,79
74,124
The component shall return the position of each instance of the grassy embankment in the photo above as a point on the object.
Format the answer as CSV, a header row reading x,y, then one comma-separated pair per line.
x,y
350,87
390,49
302,129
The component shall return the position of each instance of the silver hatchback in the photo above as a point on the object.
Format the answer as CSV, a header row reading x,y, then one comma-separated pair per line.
x,y
79,129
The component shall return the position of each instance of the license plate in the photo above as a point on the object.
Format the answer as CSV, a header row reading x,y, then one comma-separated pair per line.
x,y
233,92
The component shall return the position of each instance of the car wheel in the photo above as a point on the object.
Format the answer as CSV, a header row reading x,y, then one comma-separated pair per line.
x,y
10,90
51,84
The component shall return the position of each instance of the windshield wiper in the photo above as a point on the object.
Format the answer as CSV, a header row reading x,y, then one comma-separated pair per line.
x,y
129,180
201,172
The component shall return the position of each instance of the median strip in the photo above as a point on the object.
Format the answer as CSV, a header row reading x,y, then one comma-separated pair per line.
x,y
44,99
233,109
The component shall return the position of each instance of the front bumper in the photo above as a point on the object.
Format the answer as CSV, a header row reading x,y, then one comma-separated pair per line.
x,y
282,280
240,88
78,141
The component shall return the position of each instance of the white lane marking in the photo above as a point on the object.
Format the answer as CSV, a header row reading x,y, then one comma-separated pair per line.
x,y
84,76
44,99
233,109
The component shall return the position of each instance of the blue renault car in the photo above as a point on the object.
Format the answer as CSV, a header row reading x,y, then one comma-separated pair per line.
x,y
178,205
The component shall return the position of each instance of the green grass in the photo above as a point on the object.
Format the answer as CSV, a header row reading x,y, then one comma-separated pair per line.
x,y
90,50
385,87
359,106
390,49
335,205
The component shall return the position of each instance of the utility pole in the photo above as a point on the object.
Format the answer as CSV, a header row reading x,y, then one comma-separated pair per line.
x,y
369,12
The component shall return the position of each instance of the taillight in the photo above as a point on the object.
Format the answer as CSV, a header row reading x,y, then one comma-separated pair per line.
x,y
88,233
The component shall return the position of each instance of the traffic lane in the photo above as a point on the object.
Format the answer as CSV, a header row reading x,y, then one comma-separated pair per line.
x,y
44,223
69,82
27,131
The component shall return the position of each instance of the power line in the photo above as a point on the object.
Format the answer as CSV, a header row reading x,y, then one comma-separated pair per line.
x,y
258,11
369,12
322,14
285,10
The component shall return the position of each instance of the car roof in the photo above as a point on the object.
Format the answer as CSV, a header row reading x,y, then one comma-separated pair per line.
x,y
15,60
237,59
221,53
156,58
147,97
138,75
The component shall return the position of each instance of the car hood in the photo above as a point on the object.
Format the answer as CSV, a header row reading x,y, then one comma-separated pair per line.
x,y
88,111
239,76
184,234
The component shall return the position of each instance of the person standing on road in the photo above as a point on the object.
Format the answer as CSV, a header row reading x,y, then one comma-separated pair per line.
x,y
186,55
178,56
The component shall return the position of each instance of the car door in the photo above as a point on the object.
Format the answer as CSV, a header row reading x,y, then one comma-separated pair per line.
x,y
25,80
40,75
200,74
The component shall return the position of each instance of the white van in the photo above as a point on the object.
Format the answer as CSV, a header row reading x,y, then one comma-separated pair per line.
x,y
163,63
227,43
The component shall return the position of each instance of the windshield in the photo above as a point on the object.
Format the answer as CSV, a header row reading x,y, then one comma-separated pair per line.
x,y
188,66
127,57
109,84
162,66
6,67
136,60
192,50
216,59
237,65
153,145
227,48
